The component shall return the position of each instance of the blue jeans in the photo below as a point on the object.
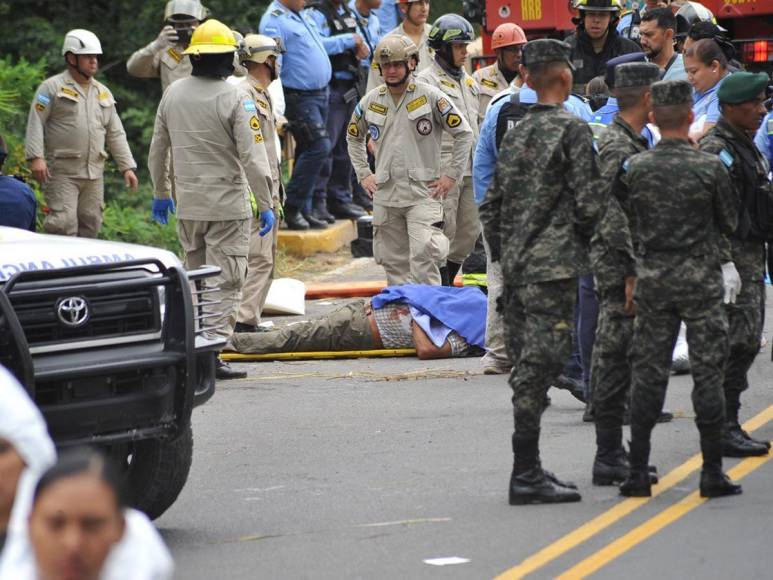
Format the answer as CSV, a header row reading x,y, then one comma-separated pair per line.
x,y
307,113
335,178
586,315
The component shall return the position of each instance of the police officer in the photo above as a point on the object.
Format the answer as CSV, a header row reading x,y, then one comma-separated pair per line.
x,y
763,138
388,14
71,120
741,100
214,133
449,37
405,121
507,43
415,15
345,47
681,268
538,216
18,205
164,57
305,72
596,40
259,54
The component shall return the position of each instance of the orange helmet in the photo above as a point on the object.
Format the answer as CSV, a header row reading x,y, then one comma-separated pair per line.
x,y
507,34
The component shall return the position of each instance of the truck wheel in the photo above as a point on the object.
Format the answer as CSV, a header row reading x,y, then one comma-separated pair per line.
x,y
157,470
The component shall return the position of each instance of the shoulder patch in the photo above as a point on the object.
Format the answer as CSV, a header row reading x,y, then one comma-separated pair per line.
x,y
726,158
416,103
353,129
626,165
254,123
249,106
357,111
43,99
488,83
453,120
377,108
258,137
443,106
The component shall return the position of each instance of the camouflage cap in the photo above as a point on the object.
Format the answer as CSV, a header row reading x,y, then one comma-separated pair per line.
x,y
741,87
545,50
666,93
636,74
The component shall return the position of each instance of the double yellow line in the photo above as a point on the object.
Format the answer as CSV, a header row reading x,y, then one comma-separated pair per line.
x,y
625,507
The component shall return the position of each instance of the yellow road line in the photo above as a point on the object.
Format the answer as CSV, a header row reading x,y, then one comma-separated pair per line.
x,y
616,513
652,526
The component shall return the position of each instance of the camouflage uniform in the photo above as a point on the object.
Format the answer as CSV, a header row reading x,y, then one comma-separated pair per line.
x,y
612,261
538,216
747,170
677,228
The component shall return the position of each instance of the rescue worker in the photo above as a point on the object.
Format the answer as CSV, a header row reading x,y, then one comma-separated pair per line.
x,y
214,134
164,58
681,268
538,216
596,40
345,46
657,30
405,120
259,55
742,103
414,26
305,74
449,37
507,42
71,120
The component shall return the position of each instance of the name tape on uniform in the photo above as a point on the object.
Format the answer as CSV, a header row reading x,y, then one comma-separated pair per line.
x,y
488,83
377,108
416,103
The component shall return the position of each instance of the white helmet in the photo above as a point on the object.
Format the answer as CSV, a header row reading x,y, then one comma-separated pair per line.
x,y
258,47
81,41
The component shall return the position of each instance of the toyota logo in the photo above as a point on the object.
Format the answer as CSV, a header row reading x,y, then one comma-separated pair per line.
x,y
73,311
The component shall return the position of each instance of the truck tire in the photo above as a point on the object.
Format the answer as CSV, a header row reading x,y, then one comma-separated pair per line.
x,y
157,471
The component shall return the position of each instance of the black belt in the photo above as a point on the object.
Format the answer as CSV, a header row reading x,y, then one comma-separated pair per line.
x,y
311,93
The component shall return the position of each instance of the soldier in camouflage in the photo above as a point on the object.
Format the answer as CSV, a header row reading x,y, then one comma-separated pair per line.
x,y
677,228
612,261
741,99
538,217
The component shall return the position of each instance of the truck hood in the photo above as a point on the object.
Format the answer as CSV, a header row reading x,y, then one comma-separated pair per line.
x,y
22,251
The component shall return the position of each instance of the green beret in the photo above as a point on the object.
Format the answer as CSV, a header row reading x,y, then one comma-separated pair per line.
x,y
636,74
741,87
667,93
544,50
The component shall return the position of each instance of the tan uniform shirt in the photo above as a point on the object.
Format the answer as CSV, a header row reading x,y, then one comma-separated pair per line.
x,y
268,128
169,64
211,128
426,56
464,95
491,82
407,138
69,125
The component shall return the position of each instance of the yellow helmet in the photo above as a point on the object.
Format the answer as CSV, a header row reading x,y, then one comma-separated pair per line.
x,y
212,37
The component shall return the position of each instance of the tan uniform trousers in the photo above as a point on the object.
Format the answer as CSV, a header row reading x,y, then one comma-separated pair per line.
x,y
74,206
409,243
224,244
462,223
260,272
496,352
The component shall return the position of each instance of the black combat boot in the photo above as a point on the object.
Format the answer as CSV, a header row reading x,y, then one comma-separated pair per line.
x,y
319,211
638,482
294,220
224,372
610,467
734,426
734,444
714,483
528,483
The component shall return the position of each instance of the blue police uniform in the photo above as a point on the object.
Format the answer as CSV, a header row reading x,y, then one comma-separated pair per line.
x,y
306,72
388,14
604,117
764,138
17,204
486,152
706,105
371,30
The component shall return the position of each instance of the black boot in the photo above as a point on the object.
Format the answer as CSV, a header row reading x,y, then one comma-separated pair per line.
x,y
734,444
610,467
345,211
528,483
714,483
733,425
224,372
444,276
638,482
315,222
319,211
453,270
294,220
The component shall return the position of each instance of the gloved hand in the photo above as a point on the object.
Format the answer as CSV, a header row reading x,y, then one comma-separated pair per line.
x,y
266,221
161,209
731,281
166,38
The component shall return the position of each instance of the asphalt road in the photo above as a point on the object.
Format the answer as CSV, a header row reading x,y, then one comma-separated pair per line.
x,y
371,468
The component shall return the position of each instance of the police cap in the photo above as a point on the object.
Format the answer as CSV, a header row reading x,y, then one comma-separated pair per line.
x,y
741,87
667,93
636,74
609,77
545,50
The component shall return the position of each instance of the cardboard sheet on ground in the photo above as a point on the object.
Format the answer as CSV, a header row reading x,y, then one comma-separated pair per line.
x,y
286,296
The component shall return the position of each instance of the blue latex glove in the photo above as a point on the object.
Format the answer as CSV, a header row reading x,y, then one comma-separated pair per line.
x,y
266,221
161,209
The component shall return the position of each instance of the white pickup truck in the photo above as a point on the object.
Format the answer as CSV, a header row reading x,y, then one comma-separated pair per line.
x,y
111,341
